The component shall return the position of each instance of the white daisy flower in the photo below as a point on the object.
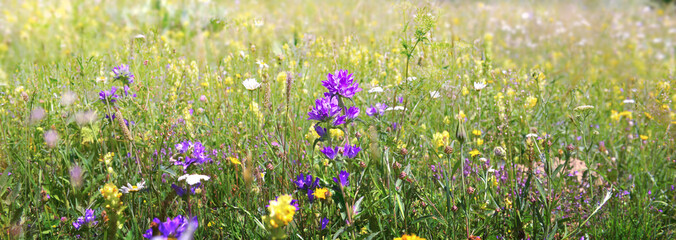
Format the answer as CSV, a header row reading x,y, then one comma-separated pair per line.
x,y
251,84
133,188
479,85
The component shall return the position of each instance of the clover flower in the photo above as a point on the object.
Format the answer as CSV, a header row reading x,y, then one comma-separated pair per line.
x,y
88,218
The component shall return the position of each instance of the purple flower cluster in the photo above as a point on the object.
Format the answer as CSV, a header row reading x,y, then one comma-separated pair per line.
x,y
330,109
192,153
377,110
183,191
173,228
123,73
89,217
307,184
109,96
341,84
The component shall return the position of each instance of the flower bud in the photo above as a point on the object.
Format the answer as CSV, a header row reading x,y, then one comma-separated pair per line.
x,y
461,133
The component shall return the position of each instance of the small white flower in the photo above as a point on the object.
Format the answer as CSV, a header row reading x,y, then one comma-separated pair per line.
x,y
261,64
629,101
397,108
479,85
435,94
376,90
251,84
258,22
583,108
133,188
531,135
192,179
410,79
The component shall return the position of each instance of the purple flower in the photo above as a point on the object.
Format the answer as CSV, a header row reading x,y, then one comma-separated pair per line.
x,y
304,182
325,109
325,221
126,92
352,112
179,190
123,73
320,130
379,109
108,96
193,153
343,178
330,152
350,151
89,217
339,120
174,228
341,84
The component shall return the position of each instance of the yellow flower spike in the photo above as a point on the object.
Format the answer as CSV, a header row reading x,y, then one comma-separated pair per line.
x,y
320,193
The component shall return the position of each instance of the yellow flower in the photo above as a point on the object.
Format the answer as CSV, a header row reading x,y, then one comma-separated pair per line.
x,y
531,102
476,132
474,153
643,137
465,91
337,133
447,120
321,193
648,116
441,139
281,212
311,134
479,141
234,160
281,77
626,114
409,237
461,116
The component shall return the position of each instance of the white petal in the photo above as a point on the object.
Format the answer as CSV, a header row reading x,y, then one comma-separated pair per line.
x,y
193,179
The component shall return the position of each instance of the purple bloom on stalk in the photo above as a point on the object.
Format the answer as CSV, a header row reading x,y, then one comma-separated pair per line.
x,y
123,73
325,221
305,182
340,120
89,217
350,151
193,153
341,84
352,112
126,92
320,130
174,228
379,109
325,108
108,96
343,179
330,152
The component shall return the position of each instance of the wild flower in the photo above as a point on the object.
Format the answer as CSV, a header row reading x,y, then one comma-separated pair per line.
x,y
88,219
123,74
341,83
343,179
192,153
280,214
325,109
479,85
329,152
177,228
531,102
377,110
109,96
251,84
133,188
192,179
350,151
409,237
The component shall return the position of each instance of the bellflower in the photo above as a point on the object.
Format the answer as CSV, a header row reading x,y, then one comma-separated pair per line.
x,y
173,228
352,112
341,84
123,73
330,152
194,153
320,130
343,179
350,151
325,109
377,110
108,96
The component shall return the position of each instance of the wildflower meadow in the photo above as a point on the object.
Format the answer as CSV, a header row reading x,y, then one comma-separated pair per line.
x,y
301,119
